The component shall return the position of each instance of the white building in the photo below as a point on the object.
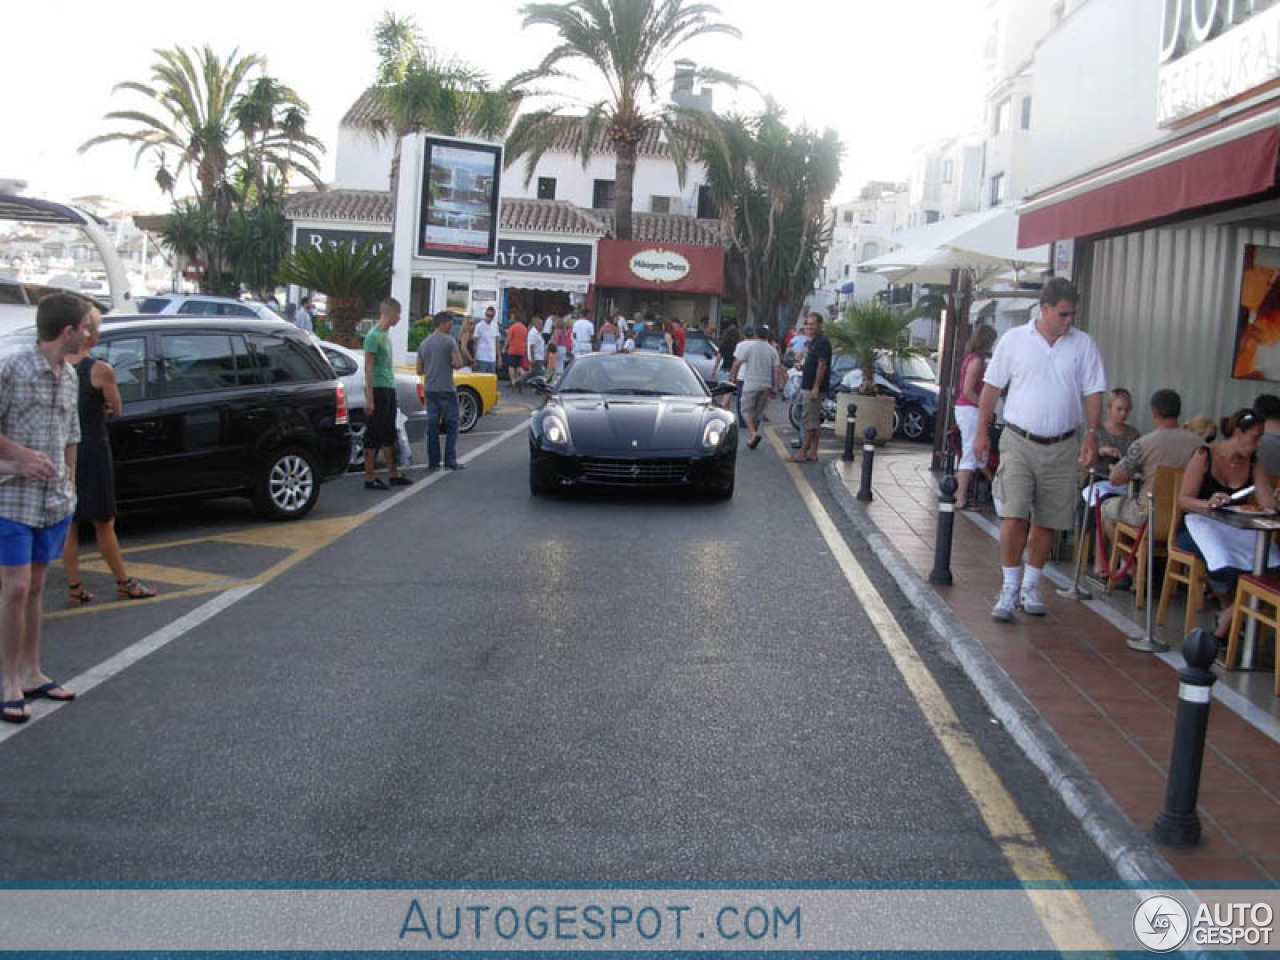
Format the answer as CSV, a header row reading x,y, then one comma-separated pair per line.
x,y
860,229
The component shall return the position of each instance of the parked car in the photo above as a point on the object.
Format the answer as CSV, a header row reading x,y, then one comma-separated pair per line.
x,y
203,305
477,395
216,407
701,352
349,365
914,385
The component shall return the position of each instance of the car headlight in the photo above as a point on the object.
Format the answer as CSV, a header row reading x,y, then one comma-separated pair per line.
x,y
713,433
554,429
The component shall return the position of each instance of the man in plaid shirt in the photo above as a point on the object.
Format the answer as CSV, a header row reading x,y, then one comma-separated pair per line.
x,y
39,430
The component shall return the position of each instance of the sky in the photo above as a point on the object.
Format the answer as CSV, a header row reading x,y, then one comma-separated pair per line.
x,y
888,75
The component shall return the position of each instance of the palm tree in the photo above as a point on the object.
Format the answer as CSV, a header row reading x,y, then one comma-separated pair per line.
x,y
865,331
420,91
352,277
238,133
626,42
770,185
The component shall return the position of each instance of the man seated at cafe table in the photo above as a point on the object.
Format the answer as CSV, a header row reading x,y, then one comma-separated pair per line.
x,y
1217,472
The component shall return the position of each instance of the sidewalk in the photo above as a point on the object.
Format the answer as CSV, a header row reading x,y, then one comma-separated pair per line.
x,y
1112,707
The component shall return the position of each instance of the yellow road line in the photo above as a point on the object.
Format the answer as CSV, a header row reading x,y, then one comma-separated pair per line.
x,y
113,604
1063,914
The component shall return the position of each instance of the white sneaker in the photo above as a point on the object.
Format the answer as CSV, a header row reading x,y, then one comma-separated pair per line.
x,y
1031,602
1003,610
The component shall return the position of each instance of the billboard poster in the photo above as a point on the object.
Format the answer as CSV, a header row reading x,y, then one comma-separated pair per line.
x,y
1257,355
458,219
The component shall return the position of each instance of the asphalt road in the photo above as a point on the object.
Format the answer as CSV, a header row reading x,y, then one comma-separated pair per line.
x,y
479,685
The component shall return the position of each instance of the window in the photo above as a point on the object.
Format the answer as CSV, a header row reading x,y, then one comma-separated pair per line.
x,y
602,195
848,216
284,360
1000,116
1026,113
948,170
870,250
997,190
235,310
152,305
659,204
706,209
932,216
197,362
128,358
846,269
342,365
197,308
546,188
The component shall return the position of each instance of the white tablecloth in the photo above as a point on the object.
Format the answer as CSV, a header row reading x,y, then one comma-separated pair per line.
x,y
1103,488
1225,546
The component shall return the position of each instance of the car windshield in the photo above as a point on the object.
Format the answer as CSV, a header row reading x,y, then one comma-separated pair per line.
x,y
916,368
650,340
631,374
152,305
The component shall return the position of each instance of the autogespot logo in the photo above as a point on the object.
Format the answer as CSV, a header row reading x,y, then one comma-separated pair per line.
x,y
1161,924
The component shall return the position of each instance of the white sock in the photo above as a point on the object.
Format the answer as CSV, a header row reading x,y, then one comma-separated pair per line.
x,y
1011,577
1031,577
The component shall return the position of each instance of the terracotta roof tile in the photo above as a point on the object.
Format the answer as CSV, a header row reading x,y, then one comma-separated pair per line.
x,y
366,108
669,228
547,216
372,206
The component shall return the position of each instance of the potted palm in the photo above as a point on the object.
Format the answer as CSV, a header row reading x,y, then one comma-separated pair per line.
x,y
865,332
351,276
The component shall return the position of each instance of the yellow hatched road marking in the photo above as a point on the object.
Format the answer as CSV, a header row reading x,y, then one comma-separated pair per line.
x,y
181,576
1060,909
291,536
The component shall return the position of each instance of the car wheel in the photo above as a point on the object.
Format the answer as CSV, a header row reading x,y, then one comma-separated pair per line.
x,y
287,486
355,426
914,423
795,413
537,486
897,421
468,409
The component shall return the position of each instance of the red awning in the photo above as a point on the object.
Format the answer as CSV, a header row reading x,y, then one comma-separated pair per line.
x,y
678,267
1223,162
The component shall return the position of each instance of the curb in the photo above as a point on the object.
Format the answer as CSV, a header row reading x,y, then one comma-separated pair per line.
x,y
1132,854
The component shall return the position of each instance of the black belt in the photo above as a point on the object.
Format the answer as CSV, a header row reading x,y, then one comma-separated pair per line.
x,y
1036,438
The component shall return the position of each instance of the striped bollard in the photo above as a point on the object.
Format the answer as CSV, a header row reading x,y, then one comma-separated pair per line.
x,y
941,573
1178,825
868,462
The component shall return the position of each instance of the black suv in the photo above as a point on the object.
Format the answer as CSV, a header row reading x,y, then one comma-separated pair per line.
x,y
218,407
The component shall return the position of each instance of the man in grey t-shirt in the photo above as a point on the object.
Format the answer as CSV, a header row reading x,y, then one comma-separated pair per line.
x,y
438,357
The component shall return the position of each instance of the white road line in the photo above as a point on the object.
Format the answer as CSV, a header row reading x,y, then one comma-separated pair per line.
x,y
161,638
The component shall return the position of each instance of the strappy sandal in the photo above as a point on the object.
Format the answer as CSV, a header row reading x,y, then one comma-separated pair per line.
x,y
131,589
78,594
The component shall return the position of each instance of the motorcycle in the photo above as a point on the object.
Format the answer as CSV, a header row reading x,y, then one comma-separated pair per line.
x,y
794,398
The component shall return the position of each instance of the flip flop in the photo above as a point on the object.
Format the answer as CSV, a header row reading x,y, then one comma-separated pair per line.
x,y
49,691
7,717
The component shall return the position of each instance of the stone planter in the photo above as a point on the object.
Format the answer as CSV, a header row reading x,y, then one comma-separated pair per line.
x,y
872,412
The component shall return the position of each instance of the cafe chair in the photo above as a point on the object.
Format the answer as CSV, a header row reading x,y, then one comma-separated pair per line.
x,y
1127,541
1181,567
1266,590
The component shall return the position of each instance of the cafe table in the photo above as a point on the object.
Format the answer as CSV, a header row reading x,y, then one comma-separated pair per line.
x,y
1263,525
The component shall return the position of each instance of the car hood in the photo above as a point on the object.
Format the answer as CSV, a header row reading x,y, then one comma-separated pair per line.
x,y
633,424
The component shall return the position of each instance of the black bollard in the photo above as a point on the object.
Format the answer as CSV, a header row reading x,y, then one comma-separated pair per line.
x,y
941,574
849,422
868,461
1178,825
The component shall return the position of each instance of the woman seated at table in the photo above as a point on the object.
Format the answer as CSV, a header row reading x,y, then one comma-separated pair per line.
x,y
1216,472
1115,437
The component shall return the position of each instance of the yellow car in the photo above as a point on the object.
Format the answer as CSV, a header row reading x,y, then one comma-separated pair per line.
x,y
477,395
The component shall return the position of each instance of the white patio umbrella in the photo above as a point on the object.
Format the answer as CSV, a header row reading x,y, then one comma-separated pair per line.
x,y
985,243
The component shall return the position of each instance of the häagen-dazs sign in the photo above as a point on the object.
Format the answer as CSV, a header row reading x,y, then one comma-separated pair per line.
x,y
659,266
1213,50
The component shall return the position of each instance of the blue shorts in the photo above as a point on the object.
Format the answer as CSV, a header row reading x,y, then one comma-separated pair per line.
x,y
21,546
486,366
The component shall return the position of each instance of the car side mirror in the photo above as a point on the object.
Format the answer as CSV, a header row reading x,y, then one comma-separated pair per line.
x,y
538,385
724,387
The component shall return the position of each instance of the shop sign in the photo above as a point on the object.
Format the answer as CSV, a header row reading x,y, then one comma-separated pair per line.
x,y
532,256
659,266
309,237
458,215
1212,51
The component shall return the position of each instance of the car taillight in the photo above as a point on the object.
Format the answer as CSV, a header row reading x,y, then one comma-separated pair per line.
x,y
422,394
342,404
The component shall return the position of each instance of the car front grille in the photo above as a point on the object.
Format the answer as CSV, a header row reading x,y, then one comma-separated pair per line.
x,y
634,471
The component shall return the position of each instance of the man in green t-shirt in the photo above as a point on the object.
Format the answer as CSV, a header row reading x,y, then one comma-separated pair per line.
x,y
380,401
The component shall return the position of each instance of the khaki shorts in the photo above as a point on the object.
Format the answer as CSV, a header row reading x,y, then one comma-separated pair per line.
x,y
1123,510
753,403
1037,482
812,412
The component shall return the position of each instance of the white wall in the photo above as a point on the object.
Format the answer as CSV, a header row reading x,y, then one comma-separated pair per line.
x,y
362,163
1094,91
654,176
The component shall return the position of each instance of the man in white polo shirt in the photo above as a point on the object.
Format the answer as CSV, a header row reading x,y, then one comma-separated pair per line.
x,y
1048,367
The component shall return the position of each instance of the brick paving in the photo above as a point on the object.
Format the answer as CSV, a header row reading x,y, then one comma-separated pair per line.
x,y
1112,706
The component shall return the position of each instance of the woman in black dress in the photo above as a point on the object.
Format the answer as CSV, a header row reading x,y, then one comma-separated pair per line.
x,y
95,480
